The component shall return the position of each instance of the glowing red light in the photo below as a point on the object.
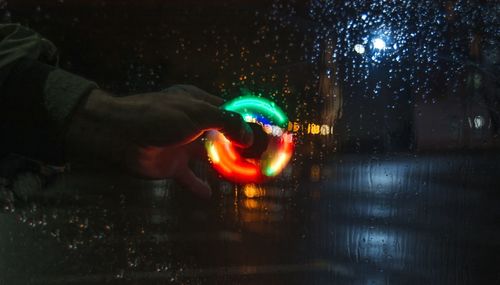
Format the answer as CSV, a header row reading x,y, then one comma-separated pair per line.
x,y
231,165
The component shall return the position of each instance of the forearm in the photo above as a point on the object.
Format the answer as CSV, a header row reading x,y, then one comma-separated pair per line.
x,y
38,101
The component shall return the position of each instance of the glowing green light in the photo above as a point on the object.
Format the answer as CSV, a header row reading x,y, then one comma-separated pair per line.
x,y
255,105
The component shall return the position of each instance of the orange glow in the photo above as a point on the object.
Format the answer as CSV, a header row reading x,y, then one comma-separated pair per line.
x,y
232,166
284,154
251,204
252,191
228,163
214,155
230,152
224,168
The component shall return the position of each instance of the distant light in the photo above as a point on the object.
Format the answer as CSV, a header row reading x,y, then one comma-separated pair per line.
x,y
363,17
251,204
479,122
359,48
378,43
252,191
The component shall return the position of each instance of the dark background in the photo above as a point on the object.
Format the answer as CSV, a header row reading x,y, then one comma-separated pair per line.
x,y
222,46
331,218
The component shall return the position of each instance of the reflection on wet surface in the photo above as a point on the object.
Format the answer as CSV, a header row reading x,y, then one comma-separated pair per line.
x,y
401,219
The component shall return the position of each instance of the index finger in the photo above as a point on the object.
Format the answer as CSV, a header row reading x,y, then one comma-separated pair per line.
x,y
202,95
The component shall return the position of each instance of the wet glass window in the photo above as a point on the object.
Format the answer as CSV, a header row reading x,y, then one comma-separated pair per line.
x,y
376,146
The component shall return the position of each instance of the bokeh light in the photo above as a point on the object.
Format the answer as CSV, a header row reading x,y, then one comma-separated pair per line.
x,y
359,48
379,43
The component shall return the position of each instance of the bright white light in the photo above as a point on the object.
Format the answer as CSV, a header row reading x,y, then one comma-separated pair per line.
x,y
378,43
478,121
359,48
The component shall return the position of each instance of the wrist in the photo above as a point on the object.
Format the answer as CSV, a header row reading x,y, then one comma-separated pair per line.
x,y
98,105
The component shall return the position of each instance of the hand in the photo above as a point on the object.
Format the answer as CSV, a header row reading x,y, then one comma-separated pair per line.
x,y
154,135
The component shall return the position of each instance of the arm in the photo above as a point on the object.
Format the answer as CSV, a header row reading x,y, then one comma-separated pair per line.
x,y
46,112
37,99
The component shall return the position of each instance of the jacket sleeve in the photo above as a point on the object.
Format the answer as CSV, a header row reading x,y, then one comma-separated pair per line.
x,y
37,99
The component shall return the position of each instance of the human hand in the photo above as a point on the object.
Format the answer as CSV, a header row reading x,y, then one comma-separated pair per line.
x,y
153,135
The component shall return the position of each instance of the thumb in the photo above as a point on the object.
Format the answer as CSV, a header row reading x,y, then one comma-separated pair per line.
x,y
230,123
236,129
187,179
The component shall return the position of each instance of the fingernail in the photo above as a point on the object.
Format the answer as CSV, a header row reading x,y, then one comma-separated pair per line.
x,y
238,130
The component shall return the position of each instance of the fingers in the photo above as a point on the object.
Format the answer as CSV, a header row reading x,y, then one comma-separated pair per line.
x,y
230,123
196,148
187,179
203,110
202,95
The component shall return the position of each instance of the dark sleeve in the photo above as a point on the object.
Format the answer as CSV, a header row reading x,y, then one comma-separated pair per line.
x,y
37,99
